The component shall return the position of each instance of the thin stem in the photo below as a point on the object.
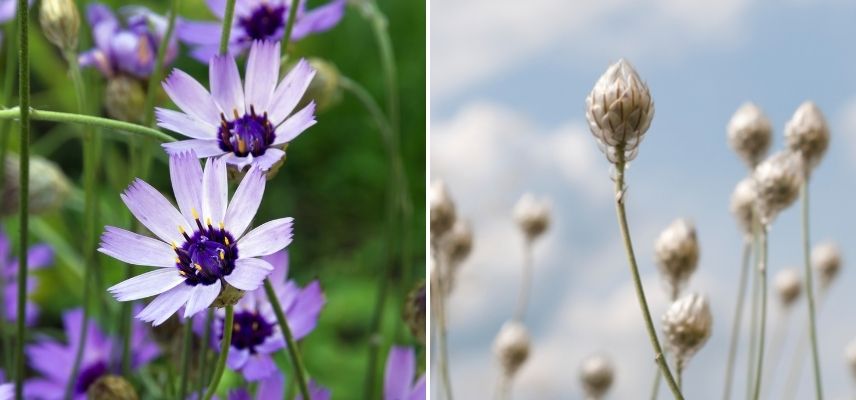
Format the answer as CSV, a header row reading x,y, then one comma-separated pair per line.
x,y
293,351
380,24
203,352
637,280
24,113
795,372
776,346
809,291
738,319
8,82
224,352
185,359
289,25
753,314
525,282
438,285
121,126
227,27
157,72
762,270
679,371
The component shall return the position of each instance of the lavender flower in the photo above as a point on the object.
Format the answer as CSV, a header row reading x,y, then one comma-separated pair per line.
x,y
256,335
130,49
38,256
256,20
400,371
7,390
248,125
274,388
202,248
54,360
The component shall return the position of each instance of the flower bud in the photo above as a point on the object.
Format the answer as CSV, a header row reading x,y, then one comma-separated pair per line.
x,y
808,134
458,242
743,205
125,98
442,209
687,326
826,258
60,22
49,187
532,215
750,133
111,387
414,312
511,346
777,183
850,354
325,88
229,296
619,110
597,374
677,253
789,286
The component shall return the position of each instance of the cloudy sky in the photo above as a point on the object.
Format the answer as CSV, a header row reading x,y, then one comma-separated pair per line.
x,y
508,83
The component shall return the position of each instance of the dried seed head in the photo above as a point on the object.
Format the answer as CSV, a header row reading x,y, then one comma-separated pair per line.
x,y
532,215
687,325
750,134
808,134
597,374
619,110
111,387
511,346
788,285
442,209
60,22
49,187
442,281
414,312
458,243
850,353
743,205
777,183
677,253
124,97
826,258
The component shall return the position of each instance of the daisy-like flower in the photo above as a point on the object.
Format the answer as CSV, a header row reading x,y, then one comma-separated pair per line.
x,y
38,256
246,124
398,380
54,360
202,249
256,20
255,332
130,49
274,388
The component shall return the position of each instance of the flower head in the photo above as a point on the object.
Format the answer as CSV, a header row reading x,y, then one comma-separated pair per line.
x,y
129,49
54,360
201,248
442,209
60,22
38,256
808,134
111,387
458,242
400,381
826,258
257,20
687,325
273,387
677,253
619,110
788,285
532,215
777,184
414,312
750,133
597,374
743,205
511,346
246,124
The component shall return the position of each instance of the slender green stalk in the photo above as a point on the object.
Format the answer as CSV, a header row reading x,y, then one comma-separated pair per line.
x,y
438,285
738,319
121,126
157,72
8,82
753,315
637,280
525,282
379,25
289,25
762,270
227,26
809,292
24,113
84,330
795,372
185,359
203,352
224,352
776,346
293,351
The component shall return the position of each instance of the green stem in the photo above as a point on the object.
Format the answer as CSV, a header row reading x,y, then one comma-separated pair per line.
x,y
795,372
293,351
8,82
203,352
637,280
84,330
438,295
24,113
753,313
809,291
185,359
679,371
121,126
776,346
738,319
227,26
157,72
762,270
289,25
379,26
224,352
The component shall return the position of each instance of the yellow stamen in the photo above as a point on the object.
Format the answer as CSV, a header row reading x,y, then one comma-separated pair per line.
x,y
195,214
222,256
236,327
222,225
255,326
208,221
198,267
226,240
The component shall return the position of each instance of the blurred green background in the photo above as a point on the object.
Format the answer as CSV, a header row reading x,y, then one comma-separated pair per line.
x,y
335,183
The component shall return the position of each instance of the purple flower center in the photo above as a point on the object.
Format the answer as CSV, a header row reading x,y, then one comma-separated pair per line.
x,y
264,22
207,256
249,330
251,134
88,376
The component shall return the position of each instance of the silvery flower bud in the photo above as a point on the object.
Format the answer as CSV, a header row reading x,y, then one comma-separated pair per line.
x,y
532,215
125,98
111,387
442,209
687,325
826,258
789,286
677,253
750,133
597,374
808,134
49,187
458,242
511,346
850,354
743,205
60,22
619,110
777,183
414,312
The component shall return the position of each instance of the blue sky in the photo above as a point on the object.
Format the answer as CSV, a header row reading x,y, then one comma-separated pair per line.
x,y
508,85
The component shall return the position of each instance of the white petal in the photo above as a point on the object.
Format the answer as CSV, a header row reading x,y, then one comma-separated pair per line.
x,y
163,306
214,191
266,239
245,203
249,273
147,284
201,297
262,73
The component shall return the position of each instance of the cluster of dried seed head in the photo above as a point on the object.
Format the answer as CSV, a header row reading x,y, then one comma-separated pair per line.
x,y
826,258
687,325
777,184
808,134
677,251
458,242
789,286
619,110
442,210
743,205
750,134
532,215
596,374
511,347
